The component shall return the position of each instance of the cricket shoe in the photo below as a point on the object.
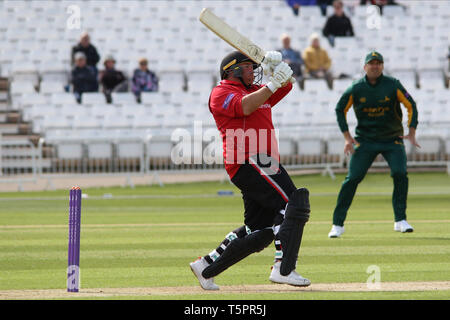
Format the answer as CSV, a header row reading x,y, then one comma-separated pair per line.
x,y
197,268
293,278
336,231
403,226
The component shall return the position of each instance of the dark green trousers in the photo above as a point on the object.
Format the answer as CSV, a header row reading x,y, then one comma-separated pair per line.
x,y
360,162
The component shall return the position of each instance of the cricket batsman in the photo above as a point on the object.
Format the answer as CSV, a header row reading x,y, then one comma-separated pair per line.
x,y
274,209
376,101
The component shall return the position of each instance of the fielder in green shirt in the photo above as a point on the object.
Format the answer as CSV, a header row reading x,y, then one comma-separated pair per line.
x,y
376,101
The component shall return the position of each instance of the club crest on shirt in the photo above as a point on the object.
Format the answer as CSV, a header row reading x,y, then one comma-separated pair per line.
x,y
363,100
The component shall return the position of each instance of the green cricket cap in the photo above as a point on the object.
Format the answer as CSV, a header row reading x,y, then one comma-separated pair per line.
x,y
373,56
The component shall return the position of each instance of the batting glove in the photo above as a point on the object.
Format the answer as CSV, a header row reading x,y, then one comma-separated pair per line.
x,y
281,75
271,60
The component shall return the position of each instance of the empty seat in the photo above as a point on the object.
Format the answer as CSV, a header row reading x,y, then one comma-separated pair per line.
x,y
93,98
82,121
123,98
48,87
153,98
340,85
174,80
117,121
30,99
318,86
62,98
200,79
21,88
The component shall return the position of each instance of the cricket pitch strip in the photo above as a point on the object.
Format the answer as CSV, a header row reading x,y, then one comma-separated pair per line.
x,y
233,289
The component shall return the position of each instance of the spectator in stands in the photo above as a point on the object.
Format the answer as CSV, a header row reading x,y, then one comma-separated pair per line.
x,y
295,5
379,3
143,80
89,50
292,57
317,61
83,77
323,5
111,79
338,25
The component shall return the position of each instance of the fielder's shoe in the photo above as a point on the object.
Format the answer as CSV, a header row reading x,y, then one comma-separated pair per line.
x,y
293,278
336,231
403,226
197,268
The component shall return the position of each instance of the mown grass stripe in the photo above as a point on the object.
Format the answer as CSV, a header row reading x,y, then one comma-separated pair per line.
x,y
196,224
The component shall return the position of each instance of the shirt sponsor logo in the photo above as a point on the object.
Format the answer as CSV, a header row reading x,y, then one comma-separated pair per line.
x,y
265,106
227,101
375,112
363,99
386,99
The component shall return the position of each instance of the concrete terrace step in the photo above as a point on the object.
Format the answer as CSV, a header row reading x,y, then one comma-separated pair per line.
x,y
15,128
10,116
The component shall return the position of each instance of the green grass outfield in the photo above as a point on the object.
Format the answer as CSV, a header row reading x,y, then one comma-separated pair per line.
x,y
145,237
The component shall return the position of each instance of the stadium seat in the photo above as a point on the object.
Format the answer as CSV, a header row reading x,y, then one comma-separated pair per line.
x,y
29,99
50,87
62,98
199,79
93,98
316,86
35,49
340,85
123,98
18,89
85,122
173,80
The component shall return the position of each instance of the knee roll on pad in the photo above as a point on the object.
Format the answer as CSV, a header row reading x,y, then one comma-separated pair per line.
x,y
291,230
298,206
238,249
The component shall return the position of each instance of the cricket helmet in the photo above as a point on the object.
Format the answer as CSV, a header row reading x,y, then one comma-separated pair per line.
x,y
230,63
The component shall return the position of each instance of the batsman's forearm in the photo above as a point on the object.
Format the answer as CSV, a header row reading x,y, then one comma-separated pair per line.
x,y
254,100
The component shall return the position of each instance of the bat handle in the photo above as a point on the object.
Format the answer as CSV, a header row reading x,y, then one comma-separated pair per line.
x,y
293,80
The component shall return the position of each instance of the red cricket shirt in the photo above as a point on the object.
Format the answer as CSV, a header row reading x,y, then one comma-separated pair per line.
x,y
244,136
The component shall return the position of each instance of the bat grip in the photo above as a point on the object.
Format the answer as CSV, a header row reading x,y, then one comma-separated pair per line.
x,y
293,80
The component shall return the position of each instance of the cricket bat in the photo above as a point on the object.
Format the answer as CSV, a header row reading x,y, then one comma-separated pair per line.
x,y
232,37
